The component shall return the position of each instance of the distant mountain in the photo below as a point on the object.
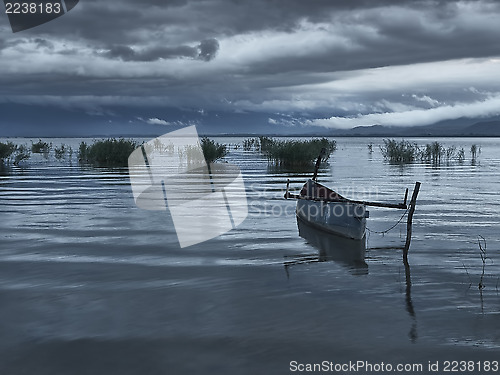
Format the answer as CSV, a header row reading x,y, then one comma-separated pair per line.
x,y
463,127
375,130
484,129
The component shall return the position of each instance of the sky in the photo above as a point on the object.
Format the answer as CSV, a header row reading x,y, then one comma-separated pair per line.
x,y
235,66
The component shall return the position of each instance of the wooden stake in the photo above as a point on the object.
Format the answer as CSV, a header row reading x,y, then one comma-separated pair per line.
x,y
413,202
318,162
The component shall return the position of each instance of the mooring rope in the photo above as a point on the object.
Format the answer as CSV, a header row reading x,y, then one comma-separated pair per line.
x,y
391,228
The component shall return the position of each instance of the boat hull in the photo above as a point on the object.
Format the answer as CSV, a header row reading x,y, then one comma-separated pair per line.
x,y
341,218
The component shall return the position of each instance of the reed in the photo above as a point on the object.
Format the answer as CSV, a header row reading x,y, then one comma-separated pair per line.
x,y
59,152
6,151
266,143
404,152
461,155
292,153
401,152
40,147
11,153
22,153
251,143
473,153
212,150
109,153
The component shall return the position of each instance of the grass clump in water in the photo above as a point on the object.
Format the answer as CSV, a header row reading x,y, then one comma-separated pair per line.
x,y
401,152
6,151
108,153
40,147
22,153
59,152
212,150
292,153
251,143
9,152
474,151
433,152
404,152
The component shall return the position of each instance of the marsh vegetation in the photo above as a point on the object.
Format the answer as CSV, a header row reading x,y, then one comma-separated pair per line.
x,y
435,153
212,150
290,153
12,153
108,153
40,147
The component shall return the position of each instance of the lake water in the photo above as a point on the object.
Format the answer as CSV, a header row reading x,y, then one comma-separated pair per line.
x,y
91,284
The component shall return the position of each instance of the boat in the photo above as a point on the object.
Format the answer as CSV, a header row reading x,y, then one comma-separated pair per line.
x,y
325,209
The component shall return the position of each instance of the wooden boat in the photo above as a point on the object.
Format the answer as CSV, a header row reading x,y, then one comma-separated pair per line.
x,y
327,210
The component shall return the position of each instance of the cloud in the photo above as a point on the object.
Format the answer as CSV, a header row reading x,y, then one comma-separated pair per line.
x,y
206,51
43,43
157,121
426,99
333,63
489,107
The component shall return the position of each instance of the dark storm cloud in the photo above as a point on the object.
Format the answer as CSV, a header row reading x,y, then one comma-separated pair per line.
x,y
43,43
299,56
206,51
396,32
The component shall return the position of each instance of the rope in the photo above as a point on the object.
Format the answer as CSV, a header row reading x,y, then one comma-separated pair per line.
x,y
391,228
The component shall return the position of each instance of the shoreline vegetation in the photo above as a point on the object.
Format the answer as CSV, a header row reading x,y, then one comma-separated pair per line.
x,y
290,153
285,153
213,151
111,152
435,153
12,153
115,152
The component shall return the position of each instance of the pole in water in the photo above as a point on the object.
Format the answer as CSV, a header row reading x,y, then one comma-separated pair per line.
x,y
318,162
413,202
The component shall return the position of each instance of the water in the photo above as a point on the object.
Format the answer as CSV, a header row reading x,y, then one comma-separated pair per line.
x,y
91,284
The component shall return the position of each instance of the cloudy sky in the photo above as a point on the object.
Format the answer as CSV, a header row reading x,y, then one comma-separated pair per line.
x,y
244,66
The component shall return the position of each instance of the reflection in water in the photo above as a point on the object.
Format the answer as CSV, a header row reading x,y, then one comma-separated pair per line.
x,y
348,252
4,171
409,303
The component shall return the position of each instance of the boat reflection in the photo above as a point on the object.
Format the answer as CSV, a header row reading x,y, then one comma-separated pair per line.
x,y
347,252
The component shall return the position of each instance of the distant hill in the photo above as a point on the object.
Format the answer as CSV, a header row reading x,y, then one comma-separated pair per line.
x,y
462,127
484,129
